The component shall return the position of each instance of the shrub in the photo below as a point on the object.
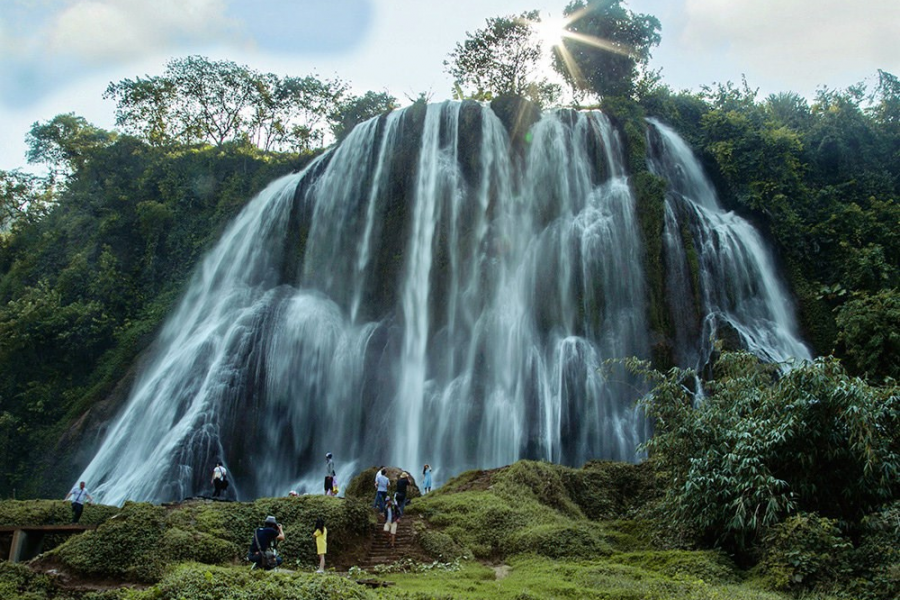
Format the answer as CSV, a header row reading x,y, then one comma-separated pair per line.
x,y
202,582
876,559
125,547
50,512
179,545
610,490
18,581
708,566
544,482
763,444
439,545
805,552
574,540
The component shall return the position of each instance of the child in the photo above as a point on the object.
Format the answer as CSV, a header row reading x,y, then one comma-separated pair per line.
x,y
321,535
391,519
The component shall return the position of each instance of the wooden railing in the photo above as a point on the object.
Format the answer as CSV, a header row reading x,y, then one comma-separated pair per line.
x,y
24,542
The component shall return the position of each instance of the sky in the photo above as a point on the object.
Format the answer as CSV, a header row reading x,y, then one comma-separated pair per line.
x,y
58,56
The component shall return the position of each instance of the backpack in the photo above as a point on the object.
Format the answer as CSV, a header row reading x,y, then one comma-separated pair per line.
x,y
268,557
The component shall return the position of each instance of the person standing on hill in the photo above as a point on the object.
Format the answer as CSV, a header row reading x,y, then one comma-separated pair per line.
x,y
329,475
426,479
402,490
321,535
79,494
381,489
219,479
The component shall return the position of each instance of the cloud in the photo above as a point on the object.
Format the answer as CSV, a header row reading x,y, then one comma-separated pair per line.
x,y
112,31
801,42
48,44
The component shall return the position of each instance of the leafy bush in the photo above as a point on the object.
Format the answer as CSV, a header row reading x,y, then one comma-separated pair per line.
x,y
18,581
439,545
202,582
763,445
51,512
707,566
125,547
573,540
805,552
876,559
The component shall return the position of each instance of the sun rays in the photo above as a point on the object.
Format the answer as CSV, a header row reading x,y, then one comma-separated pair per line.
x,y
552,32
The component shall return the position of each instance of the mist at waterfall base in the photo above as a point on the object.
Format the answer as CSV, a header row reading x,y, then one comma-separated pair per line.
x,y
426,292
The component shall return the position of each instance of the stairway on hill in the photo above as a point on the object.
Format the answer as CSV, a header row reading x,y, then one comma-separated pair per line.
x,y
380,550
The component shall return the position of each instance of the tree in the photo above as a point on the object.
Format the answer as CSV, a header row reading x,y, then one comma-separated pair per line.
x,y
604,47
198,100
300,110
23,198
870,333
502,58
885,101
213,97
143,108
356,109
64,143
763,445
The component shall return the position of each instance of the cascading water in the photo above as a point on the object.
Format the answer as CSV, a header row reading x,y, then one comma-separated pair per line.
x,y
732,270
427,292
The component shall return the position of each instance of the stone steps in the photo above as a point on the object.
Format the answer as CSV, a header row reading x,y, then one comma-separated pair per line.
x,y
380,550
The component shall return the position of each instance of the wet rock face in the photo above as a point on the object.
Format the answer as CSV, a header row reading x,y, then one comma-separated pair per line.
x,y
517,115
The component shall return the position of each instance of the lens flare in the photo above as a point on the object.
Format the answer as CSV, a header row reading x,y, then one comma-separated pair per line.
x,y
549,31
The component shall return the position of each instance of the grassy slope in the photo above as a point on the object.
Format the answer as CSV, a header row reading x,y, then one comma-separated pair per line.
x,y
530,530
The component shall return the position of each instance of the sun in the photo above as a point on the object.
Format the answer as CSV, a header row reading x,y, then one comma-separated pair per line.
x,y
550,31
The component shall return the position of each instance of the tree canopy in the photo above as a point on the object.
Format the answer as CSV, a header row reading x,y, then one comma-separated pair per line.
x,y
604,47
198,100
503,58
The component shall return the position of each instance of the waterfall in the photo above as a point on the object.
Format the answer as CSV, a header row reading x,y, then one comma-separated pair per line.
x,y
428,292
735,276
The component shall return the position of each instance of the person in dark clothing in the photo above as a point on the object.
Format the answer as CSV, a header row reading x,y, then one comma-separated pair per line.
x,y
265,538
330,482
219,479
400,496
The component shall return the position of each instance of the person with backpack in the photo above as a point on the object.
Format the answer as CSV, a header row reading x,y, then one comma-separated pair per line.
x,y
219,479
391,519
262,548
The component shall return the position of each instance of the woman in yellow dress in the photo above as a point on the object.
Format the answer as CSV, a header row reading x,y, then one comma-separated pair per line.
x,y
321,535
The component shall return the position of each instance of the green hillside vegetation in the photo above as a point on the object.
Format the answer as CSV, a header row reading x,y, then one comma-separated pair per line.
x,y
530,530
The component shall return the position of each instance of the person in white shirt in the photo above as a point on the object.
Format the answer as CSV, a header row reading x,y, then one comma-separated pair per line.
x,y
381,489
78,494
219,479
